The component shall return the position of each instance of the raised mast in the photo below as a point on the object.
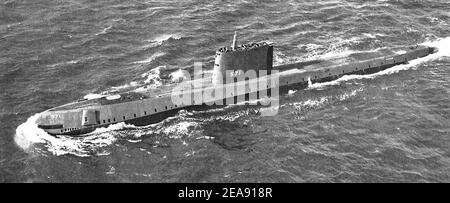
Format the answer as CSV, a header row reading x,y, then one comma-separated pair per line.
x,y
233,46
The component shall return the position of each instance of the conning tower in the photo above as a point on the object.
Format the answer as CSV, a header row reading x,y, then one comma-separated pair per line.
x,y
254,56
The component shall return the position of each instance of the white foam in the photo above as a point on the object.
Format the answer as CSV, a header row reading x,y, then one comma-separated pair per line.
x,y
368,35
310,103
151,79
165,37
278,58
313,47
435,20
93,96
178,76
351,94
111,171
338,49
121,87
442,44
104,31
179,129
113,127
336,54
134,141
95,143
205,137
71,62
309,82
290,92
400,52
159,40
113,97
151,58
317,102
28,134
187,154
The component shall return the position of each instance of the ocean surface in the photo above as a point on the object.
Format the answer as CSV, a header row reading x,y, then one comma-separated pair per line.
x,y
392,126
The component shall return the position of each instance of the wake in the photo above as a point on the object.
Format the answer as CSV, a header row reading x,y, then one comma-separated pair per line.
x,y
442,44
28,134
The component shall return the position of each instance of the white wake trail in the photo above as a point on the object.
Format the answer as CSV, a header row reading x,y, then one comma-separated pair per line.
x,y
442,44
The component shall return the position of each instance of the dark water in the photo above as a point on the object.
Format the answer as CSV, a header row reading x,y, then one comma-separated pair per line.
x,y
392,126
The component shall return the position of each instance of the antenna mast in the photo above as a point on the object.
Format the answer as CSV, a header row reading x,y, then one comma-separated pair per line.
x,y
234,41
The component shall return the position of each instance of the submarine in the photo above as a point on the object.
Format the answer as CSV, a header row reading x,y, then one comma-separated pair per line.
x,y
154,105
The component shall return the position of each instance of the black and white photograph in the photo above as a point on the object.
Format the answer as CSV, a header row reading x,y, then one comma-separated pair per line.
x,y
225,91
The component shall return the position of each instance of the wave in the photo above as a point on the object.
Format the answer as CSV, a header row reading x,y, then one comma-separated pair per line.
x,y
278,58
317,102
153,76
338,48
338,53
159,40
151,79
178,76
111,23
373,36
311,102
94,143
177,127
151,58
104,31
71,62
177,130
80,60
113,127
166,37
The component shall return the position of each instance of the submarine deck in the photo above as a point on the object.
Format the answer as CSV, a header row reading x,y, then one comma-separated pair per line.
x,y
311,65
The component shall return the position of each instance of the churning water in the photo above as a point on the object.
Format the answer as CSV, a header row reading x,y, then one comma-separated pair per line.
x,y
389,126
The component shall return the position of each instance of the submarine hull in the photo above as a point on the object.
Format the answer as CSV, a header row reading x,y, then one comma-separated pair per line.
x,y
144,108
